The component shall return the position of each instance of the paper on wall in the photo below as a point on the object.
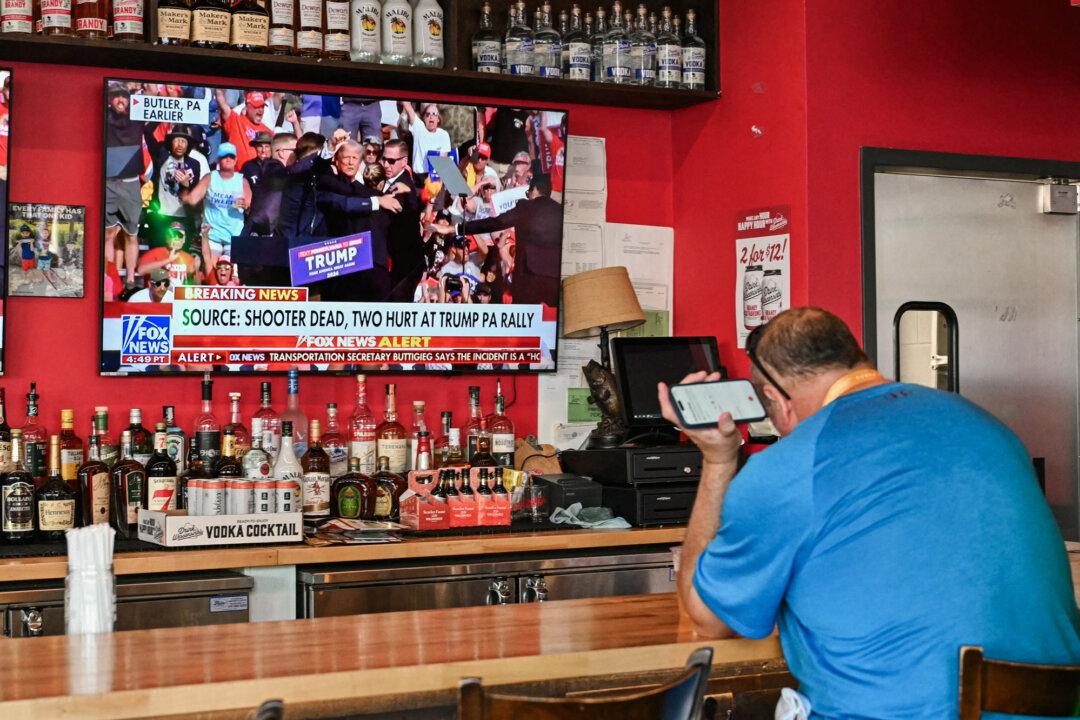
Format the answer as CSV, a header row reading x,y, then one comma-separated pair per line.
x,y
585,193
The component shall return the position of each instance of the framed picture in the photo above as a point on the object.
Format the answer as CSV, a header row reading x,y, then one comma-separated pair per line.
x,y
46,250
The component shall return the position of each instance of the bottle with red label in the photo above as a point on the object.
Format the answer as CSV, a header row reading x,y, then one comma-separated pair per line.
x,y
91,18
17,17
56,17
129,20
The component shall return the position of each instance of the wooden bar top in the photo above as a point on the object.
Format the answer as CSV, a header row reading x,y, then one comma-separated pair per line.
x,y
47,568
346,664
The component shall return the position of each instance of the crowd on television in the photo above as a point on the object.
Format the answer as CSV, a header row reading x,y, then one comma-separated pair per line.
x,y
223,203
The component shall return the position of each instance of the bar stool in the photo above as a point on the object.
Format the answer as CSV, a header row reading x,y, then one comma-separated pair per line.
x,y
1016,688
680,699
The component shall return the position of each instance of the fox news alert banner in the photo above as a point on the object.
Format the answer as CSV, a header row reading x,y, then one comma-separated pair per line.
x,y
275,328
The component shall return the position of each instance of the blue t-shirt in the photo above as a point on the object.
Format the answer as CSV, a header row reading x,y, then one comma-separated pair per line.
x,y
889,529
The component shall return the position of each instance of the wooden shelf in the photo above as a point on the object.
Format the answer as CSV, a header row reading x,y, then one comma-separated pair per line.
x,y
287,69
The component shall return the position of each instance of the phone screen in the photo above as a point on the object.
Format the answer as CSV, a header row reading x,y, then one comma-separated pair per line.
x,y
702,404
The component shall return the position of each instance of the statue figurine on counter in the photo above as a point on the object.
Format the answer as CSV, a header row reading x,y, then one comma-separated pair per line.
x,y
611,429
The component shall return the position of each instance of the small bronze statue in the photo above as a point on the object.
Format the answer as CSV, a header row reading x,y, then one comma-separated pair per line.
x,y
611,429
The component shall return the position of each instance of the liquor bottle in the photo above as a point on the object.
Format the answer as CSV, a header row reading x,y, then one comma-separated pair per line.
x,y
250,26
502,433
18,520
174,22
353,494
438,489
483,457
388,489
271,421
676,27
16,17
90,18
128,488
288,473
576,48
110,451
93,477
465,488
455,454
482,487
519,48
281,37
161,475
334,444
236,424
419,423
194,471
56,17
362,428
642,50
71,446
365,43
316,487
391,440
487,46
693,55
336,38
654,23
142,443
547,45
256,461
5,436
56,500
428,29
617,48
668,53
498,488
442,442
597,42
450,490
295,415
175,439
564,30
239,490
472,426
210,24
309,40
423,451
207,429
129,20
35,439
397,46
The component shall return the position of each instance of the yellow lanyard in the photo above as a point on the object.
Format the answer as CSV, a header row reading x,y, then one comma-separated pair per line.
x,y
852,380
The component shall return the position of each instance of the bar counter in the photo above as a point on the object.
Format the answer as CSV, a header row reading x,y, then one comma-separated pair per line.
x,y
362,664
166,561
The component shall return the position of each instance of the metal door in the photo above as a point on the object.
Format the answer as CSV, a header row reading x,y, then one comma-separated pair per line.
x,y
596,583
363,599
1009,272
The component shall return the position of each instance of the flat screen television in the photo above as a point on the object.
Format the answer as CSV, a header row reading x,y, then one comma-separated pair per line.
x,y
255,230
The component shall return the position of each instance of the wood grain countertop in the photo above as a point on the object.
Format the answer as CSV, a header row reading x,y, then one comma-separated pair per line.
x,y
345,665
165,561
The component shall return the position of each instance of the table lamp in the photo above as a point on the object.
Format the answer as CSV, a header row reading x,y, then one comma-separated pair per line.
x,y
595,303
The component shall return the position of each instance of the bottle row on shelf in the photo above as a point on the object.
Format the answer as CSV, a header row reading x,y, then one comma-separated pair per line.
x,y
283,463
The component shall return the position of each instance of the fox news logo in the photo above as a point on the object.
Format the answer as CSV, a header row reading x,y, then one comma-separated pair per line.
x,y
146,339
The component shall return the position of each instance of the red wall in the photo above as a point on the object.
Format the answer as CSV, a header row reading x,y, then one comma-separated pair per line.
x,y
995,77
56,158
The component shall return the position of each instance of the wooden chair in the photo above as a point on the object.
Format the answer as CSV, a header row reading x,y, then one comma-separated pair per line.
x,y
680,699
1016,688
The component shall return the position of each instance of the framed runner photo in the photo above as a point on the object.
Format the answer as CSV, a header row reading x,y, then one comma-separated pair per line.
x,y
46,250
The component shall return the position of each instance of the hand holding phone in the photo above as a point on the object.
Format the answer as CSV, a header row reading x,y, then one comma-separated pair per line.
x,y
700,405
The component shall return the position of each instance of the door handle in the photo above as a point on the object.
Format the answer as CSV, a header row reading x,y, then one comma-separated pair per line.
x,y
499,592
33,622
536,589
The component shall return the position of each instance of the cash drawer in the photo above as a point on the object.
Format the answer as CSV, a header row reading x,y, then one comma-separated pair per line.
x,y
664,465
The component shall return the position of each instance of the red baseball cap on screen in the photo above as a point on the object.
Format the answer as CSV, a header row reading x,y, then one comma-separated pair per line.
x,y
255,99
483,149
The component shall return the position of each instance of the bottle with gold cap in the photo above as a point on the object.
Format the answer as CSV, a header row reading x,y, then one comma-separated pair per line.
x,y
56,500
71,447
316,484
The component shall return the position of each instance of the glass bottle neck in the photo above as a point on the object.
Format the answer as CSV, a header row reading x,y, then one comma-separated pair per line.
x,y
234,412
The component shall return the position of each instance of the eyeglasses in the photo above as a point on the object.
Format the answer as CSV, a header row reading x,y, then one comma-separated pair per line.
x,y
431,114
160,283
391,161
751,352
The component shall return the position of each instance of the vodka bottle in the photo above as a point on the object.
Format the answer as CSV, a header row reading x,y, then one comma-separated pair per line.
x,y
365,41
271,421
597,41
654,23
642,50
294,414
487,45
428,34
668,53
577,49
288,474
397,46
334,443
693,56
519,44
564,30
547,45
617,48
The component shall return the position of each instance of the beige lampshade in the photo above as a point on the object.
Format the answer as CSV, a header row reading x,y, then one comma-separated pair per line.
x,y
599,298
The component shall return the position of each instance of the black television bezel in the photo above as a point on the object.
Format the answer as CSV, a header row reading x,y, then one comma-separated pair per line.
x,y
618,358
6,215
276,87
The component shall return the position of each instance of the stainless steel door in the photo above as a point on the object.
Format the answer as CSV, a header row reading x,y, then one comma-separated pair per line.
x,y
1010,273
362,599
600,583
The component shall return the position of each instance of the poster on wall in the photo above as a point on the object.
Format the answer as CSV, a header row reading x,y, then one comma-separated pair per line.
x,y
46,246
763,267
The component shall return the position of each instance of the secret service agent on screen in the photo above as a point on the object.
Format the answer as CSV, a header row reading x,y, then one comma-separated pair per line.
x,y
889,526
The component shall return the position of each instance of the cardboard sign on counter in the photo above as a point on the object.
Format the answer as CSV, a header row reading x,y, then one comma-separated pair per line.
x,y
175,529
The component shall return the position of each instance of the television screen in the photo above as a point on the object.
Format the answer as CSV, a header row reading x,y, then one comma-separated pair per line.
x,y
641,363
250,230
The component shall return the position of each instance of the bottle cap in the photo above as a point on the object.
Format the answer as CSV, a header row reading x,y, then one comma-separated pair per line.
x,y
354,464
286,427
16,432
234,396
160,427
67,416
125,436
423,433
418,405
361,378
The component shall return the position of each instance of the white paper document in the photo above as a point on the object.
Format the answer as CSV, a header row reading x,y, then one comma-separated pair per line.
x,y
585,193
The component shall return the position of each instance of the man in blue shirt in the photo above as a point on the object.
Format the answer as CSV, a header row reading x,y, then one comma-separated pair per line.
x,y
891,525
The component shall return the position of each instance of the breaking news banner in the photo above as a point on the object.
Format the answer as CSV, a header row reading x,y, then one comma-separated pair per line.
x,y
276,328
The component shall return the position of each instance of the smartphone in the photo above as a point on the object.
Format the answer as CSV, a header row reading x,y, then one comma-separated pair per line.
x,y
700,405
